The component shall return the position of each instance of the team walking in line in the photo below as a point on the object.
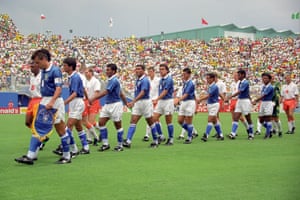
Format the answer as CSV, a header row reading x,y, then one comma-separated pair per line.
x,y
153,98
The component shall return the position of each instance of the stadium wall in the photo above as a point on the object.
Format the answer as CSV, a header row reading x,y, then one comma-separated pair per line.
x,y
207,33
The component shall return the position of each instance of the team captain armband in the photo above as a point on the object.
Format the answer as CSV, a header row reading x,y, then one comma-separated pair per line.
x,y
58,80
42,121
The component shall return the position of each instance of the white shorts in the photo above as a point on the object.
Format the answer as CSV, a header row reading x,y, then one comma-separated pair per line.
x,y
165,107
59,105
76,108
187,108
113,111
213,109
266,108
243,106
143,107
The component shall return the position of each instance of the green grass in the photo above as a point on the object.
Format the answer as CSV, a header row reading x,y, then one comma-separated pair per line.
x,y
239,169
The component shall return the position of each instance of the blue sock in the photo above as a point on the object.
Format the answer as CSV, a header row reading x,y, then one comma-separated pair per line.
x,y
120,136
208,128
103,132
82,137
234,127
154,131
264,124
268,128
131,131
185,126
34,144
190,128
65,142
250,129
218,128
158,128
72,141
170,130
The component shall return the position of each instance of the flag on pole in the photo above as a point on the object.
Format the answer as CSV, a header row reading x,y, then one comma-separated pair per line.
x,y
203,21
296,15
43,16
110,22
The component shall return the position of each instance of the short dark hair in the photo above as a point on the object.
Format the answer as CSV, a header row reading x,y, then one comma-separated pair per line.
x,y
165,66
141,66
211,74
266,74
187,70
70,62
242,72
113,67
41,53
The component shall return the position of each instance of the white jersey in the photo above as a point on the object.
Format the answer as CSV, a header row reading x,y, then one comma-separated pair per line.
x,y
92,86
154,85
222,87
35,85
234,87
289,91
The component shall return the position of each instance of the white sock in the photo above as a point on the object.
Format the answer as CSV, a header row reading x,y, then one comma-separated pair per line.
x,y
31,154
279,126
290,126
88,135
74,148
66,155
93,132
105,141
259,125
148,130
183,131
195,130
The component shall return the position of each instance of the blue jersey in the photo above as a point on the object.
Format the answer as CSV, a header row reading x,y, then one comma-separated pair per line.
x,y
166,83
114,89
244,88
213,92
51,78
142,84
76,85
188,88
268,92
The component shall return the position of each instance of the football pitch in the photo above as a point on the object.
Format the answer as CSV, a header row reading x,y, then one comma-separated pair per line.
x,y
229,169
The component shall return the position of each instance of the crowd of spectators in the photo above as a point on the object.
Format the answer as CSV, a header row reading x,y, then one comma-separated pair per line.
x,y
223,55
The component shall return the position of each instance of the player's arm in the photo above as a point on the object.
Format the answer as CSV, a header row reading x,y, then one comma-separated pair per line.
x,y
162,94
70,98
222,95
123,97
98,96
203,97
183,97
234,94
258,99
138,97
